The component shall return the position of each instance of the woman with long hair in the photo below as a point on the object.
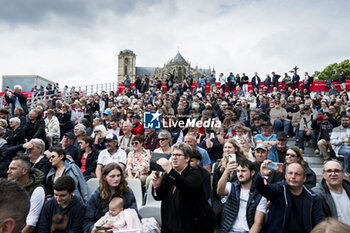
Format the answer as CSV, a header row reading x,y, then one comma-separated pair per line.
x,y
112,183
294,155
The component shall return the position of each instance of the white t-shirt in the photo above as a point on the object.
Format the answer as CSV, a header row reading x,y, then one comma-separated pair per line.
x,y
241,223
36,204
342,203
105,157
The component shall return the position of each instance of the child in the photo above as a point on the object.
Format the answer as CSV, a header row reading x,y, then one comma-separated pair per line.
x,y
118,219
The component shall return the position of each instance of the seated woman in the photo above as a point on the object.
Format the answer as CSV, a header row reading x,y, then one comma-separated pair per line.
x,y
52,127
100,132
294,155
138,160
15,135
112,182
18,112
64,166
88,156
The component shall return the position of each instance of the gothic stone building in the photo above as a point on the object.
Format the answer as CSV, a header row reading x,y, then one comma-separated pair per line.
x,y
177,66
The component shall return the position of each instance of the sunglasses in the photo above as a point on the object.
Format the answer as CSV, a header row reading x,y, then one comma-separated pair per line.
x,y
291,155
162,139
134,143
52,157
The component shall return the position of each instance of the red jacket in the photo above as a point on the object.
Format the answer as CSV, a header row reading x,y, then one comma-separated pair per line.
x,y
138,130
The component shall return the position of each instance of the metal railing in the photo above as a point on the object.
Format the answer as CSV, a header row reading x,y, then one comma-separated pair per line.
x,y
65,94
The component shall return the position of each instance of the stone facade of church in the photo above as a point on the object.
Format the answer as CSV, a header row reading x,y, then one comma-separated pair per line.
x,y
177,66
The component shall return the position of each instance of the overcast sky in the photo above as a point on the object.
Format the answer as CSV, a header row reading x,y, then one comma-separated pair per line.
x,y
77,42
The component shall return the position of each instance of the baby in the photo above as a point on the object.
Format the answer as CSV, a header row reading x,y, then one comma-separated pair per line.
x,y
118,219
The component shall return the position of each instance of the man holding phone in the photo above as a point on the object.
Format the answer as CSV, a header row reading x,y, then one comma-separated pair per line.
x,y
245,208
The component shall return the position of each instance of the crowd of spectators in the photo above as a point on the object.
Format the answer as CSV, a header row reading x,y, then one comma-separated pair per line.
x,y
103,137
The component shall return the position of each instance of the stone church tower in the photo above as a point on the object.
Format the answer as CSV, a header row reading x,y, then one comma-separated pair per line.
x,y
126,65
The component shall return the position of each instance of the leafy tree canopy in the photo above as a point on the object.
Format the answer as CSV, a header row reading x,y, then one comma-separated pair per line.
x,y
333,71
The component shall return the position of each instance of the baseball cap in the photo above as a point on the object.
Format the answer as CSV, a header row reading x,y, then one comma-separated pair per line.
x,y
282,136
261,146
111,137
266,123
108,112
136,116
70,135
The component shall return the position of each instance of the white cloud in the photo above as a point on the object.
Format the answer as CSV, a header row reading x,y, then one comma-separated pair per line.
x,y
76,48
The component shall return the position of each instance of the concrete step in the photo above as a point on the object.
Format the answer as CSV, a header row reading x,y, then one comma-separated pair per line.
x,y
313,160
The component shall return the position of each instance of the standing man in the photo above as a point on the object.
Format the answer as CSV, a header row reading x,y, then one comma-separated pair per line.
x,y
295,80
30,179
308,80
256,81
16,98
340,140
245,208
267,83
293,207
334,192
222,80
127,81
275,78
244,82
14,206
342,81
65,212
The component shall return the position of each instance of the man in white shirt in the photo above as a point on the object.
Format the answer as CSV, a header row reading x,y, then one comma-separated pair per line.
x,y
245,208
112,154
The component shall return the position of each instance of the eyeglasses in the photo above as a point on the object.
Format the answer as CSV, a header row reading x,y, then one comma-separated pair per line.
x,y
52,157
330,171
223,105
97,131
291,155
134,143
80,143
162,139
177,155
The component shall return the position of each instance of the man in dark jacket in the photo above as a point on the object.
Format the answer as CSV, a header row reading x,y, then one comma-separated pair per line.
x,y
17,98
295,80
293,207
242,199
256,81
35,126
65,212
275,78
30,179
334,192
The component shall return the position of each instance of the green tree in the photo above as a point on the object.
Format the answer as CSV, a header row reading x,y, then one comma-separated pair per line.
x,y
333,71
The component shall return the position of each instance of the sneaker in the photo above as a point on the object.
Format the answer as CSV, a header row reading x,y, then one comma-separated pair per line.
x,y
317,151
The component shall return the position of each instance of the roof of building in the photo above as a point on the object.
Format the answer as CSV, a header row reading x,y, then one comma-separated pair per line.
x,y
178,59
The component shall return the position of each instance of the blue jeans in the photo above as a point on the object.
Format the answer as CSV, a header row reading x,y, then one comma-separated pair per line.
x,y
301,137
346,153
278,124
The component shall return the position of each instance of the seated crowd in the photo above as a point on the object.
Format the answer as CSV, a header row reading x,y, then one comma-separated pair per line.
x,y
53,149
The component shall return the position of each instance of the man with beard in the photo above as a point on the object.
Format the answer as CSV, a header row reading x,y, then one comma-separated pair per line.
x,y
245,208
340,140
